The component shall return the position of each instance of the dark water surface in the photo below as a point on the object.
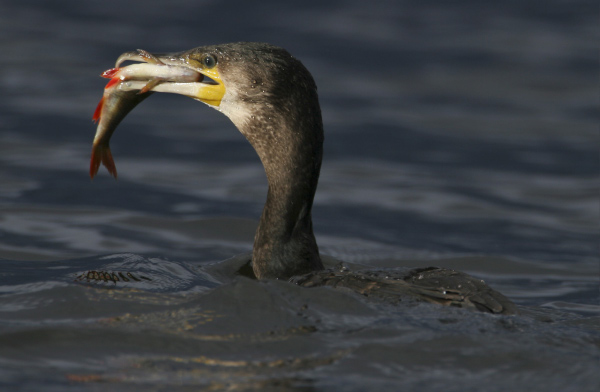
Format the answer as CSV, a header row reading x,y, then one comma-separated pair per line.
x,y
461,134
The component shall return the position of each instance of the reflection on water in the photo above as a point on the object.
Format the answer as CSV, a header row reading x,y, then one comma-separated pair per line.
x,y
471,143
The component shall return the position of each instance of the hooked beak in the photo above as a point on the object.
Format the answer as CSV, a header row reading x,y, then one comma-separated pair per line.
x,y
181,73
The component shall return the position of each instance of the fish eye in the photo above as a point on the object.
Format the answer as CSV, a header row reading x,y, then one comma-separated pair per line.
x,y
209,61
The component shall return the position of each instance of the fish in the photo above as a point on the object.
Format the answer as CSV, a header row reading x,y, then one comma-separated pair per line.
x,y
127,87
115,104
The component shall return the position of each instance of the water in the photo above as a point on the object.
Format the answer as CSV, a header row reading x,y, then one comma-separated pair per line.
x,y
460,134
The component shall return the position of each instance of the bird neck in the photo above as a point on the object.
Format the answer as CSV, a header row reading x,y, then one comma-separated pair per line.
x,y
291,154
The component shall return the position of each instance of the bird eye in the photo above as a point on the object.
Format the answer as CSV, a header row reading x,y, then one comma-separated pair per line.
x,y
209,61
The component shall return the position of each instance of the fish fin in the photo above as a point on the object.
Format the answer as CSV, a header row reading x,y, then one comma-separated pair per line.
x,y
95,160
112,82
150,85
98,111
108,162
110,73
149,57
101,154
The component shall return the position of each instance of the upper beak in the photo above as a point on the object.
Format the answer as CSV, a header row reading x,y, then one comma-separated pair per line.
x,y
173,73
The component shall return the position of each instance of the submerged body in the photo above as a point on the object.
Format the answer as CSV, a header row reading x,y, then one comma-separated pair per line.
x,y
272,99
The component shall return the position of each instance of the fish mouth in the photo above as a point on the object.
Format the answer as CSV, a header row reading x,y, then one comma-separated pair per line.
x,y
191,75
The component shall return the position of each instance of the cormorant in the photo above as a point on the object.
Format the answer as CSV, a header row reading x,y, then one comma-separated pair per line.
x,y
272,99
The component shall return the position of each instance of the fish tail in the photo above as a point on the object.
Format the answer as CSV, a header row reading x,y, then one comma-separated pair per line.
x,y
95,160
101,154
108,162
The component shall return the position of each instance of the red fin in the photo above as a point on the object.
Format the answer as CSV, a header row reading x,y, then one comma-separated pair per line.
x,y
101,154
98,111
112,82
95,161
110,73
